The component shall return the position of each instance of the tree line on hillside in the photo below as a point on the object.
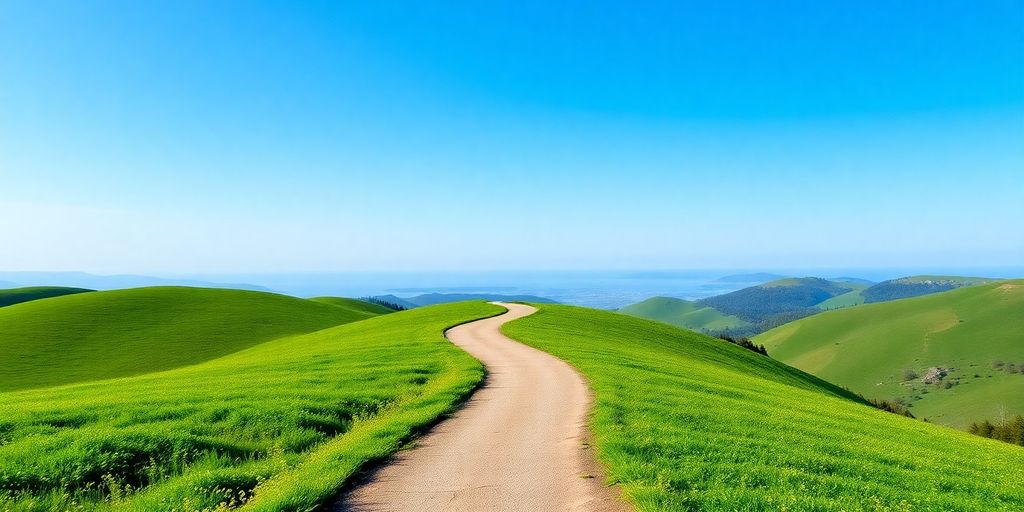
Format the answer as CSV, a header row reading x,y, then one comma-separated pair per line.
x,y
1010,431
745,343
768,323
381,302
893,290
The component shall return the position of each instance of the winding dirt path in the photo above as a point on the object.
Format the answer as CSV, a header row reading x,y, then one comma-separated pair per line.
x,y
517,445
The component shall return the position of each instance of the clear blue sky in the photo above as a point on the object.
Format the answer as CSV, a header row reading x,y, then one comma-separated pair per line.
x,y
195,136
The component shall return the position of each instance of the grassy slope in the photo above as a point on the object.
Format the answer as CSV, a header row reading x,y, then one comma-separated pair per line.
x,y
868,347
850,298
100,335
686,422
355,305
682,313
297,416
13,296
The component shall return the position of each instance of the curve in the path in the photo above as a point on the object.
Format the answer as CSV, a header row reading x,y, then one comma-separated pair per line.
x,y
517,445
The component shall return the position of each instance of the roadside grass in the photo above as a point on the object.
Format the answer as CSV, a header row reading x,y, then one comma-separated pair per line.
x,y
278,426
12,296
100,335
875,348
686,422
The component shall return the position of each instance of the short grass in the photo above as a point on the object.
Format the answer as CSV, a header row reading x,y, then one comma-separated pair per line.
x,y
687,422
683,313
277,427
868,348
13,296
99,335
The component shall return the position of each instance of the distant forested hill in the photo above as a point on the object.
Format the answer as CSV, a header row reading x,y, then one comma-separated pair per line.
x,y
906,287
756,309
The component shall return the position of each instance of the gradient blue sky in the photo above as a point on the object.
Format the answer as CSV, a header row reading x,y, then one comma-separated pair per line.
x,y
195,136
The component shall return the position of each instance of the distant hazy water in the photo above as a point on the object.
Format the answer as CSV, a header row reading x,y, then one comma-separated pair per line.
x,y
599,289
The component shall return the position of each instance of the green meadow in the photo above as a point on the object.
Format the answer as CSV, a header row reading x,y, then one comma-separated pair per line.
x,y
281,420
687,422
100,335
884,350
279,425
683,313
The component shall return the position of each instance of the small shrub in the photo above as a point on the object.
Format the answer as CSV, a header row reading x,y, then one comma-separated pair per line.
x,y
894,406
998,364
745,343
909,374
1010,431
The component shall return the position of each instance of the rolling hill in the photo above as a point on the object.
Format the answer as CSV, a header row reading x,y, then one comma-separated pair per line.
x,y
755,309
13,296
687,422
975,334
278,426
684,313
99,335
851,298
744,312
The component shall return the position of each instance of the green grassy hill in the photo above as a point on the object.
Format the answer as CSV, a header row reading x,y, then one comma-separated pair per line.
x,y
683,313
13,296
278,426
355,305
755,309
875,349
747,311
851,298
100,335
687,422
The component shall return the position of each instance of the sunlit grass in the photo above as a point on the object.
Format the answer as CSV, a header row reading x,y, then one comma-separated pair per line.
x,y
279,426
686,422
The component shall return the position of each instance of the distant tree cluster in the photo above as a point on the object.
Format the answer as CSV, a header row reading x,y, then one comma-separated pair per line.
x,y
1010,431
745,343
900,289
381,302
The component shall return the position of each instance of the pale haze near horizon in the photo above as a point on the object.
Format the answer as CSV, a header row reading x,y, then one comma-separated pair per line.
x,y
277,138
